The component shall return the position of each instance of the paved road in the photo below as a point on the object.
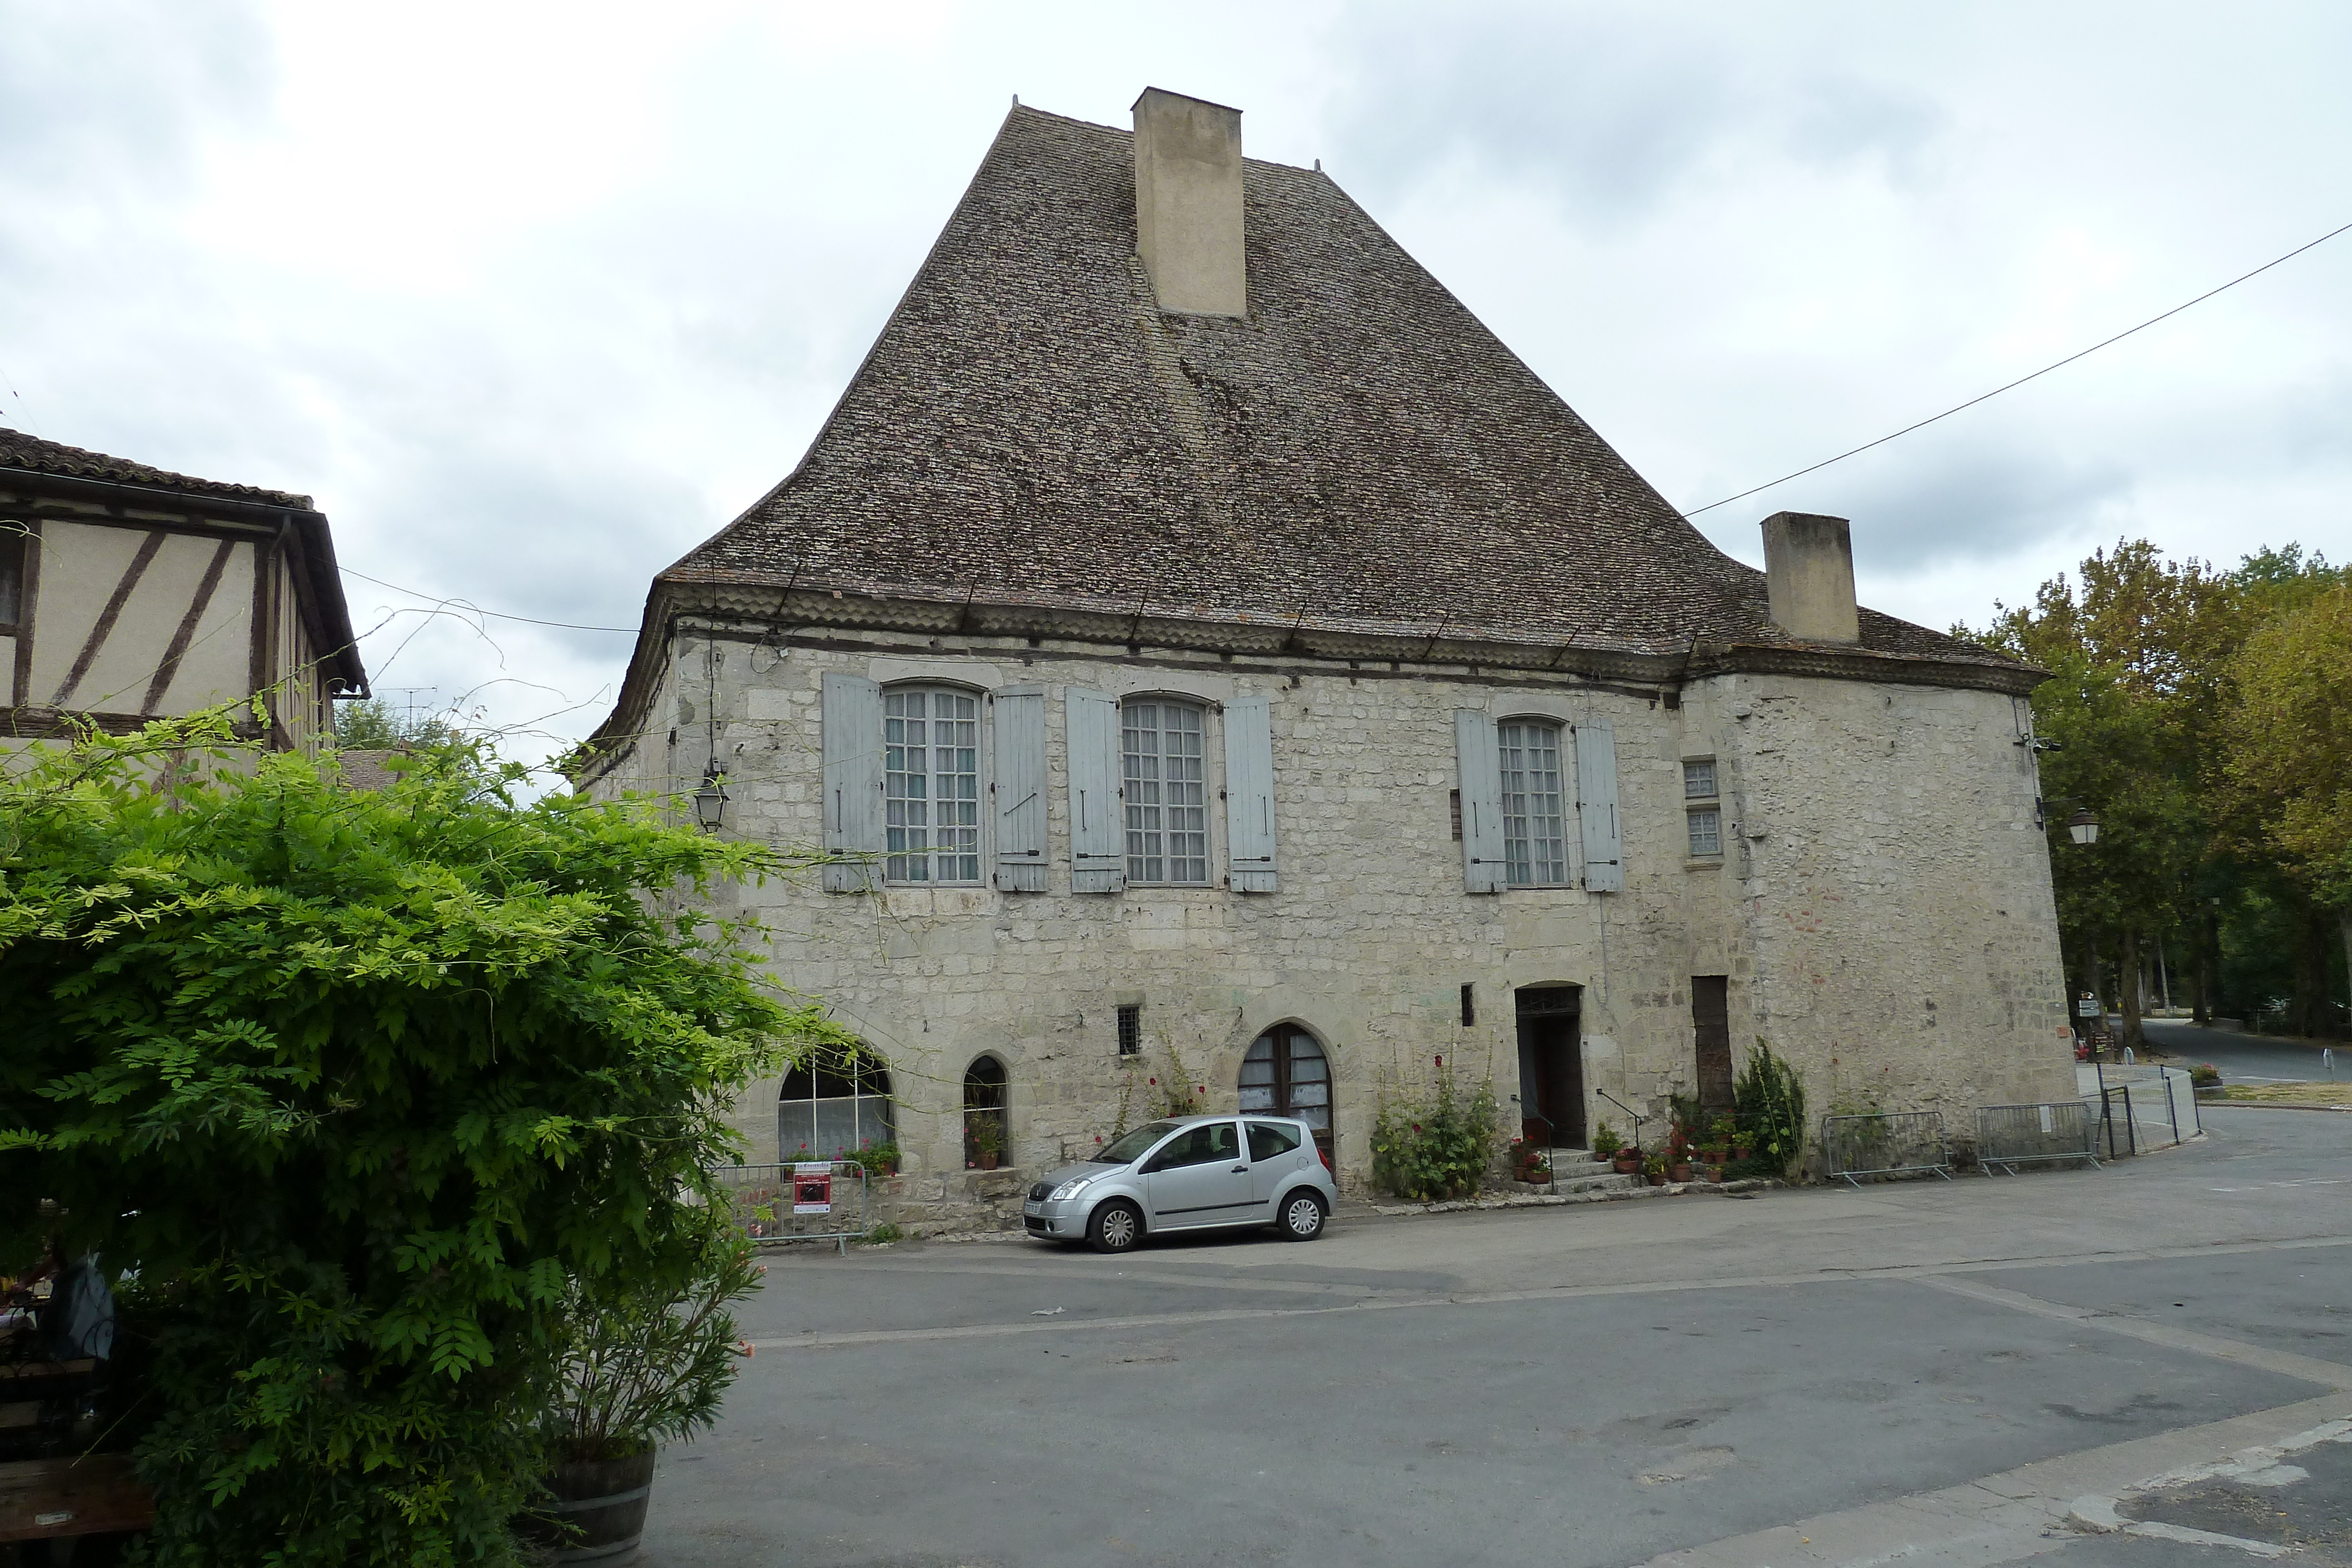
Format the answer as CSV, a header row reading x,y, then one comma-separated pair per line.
x,y
2245,1058
1974,1372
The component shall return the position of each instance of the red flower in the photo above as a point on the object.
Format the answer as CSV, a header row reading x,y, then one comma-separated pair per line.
x,y
1155,1082
1416,1126
1439,1060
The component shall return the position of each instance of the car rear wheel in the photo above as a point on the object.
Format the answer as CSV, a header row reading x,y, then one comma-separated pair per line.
x,y
1302,1216
1115,1227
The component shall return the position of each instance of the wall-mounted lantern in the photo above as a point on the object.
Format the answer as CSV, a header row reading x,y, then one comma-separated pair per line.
x,y
2082,827
711,801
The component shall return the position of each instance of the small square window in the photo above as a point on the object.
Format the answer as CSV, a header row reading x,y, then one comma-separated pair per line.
x,y
1131,1031
1698,780
1706,832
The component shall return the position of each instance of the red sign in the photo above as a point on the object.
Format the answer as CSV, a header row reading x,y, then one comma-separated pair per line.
x,y
812,1187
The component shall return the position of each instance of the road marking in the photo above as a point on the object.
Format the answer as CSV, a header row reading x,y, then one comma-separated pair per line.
x,y
2285,1363
1939,1275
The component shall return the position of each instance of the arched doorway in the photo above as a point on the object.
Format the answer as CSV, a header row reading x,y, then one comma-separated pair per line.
x,y
832,1106
1286,1072
987,1141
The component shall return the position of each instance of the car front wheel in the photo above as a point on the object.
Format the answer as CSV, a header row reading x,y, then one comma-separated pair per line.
x,y
1302,1216
1115,1227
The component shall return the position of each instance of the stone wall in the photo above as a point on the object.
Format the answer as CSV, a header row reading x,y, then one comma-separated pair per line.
x,y
1882,905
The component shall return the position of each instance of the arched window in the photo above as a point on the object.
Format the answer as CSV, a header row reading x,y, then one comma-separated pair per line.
x,y
930,777
986,1139
1287,1073
833,1106
1164,780
1535,804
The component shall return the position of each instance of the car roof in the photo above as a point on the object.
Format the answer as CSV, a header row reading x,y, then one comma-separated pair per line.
x,y
1226,1116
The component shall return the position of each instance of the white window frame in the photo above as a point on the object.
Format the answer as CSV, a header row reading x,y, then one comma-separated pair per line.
x,y
1703,817
900,860
1520,840
1145,807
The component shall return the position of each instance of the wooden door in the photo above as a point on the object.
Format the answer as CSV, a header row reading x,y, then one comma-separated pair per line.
x,y
1711,1020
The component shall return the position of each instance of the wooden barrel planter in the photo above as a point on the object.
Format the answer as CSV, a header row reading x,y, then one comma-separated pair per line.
x,y
605,1502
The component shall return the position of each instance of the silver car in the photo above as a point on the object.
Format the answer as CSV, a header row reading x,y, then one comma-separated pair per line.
x,y
1193,1173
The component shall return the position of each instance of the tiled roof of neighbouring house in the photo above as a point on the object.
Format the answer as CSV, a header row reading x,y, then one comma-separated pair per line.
x,y
18,450
1358,455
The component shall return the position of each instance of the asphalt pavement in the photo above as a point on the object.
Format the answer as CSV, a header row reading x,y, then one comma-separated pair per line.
x,y
2245,1058
2136,1365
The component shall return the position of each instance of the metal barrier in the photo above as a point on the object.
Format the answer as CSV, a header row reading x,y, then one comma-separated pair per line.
x,y
801,1202
1897,1143
2009,1137
2158,1106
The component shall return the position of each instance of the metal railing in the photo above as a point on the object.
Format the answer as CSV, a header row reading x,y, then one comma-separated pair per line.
x,y
2158,1105
1631,1114
2009,1137
1885,1143
807,1201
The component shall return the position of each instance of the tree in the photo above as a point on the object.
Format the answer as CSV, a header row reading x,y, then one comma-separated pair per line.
x,y
373,724
361,1084
2291,765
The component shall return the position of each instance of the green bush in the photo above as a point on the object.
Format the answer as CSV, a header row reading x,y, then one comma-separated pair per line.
x,y
361,1084
1770,1100
1435,1148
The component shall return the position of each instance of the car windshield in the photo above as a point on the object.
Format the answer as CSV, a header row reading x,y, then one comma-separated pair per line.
x,y
1120,1151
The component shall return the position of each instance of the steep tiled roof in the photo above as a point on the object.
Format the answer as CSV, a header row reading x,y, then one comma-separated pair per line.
x,y
18,450
1360,454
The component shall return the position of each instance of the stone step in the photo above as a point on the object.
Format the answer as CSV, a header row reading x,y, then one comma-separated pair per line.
x,y
1598,1179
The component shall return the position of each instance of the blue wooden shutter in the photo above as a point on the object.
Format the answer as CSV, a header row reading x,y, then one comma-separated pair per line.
x,y
1098,834
852,781
1249,793
1596,806
1018,791
1478,767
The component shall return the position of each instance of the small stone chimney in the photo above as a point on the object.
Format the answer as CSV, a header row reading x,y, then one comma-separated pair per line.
x,y
1808,571
1188,202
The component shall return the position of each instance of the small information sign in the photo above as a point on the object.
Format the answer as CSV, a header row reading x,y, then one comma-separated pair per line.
x,y
812,1187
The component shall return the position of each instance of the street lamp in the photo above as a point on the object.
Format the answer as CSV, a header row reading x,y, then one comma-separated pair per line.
x,y
711,801
2082,827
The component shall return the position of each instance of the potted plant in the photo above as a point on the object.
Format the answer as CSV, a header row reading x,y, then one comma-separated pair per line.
x,y
880,1159
1535,1168
1655,1167
641,1363
1680,1171
1606,1142
987,1141
1629,1160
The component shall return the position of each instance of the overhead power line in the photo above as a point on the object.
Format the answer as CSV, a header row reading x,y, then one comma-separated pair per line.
x,y
2021,380
471,607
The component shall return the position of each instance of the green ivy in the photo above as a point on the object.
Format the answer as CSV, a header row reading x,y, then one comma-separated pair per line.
x,y
362,1084
1435,1148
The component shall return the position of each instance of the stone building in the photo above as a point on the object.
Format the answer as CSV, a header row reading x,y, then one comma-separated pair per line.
x,y
128,594
1232,671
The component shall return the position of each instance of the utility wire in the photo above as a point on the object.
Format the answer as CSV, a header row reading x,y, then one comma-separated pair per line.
x,y
477,610
2021,380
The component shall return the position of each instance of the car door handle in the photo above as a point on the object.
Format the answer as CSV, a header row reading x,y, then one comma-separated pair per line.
x,y
1239,1170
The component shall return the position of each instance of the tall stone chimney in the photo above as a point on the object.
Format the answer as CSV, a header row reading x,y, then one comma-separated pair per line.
x,y
1188,202
1809,572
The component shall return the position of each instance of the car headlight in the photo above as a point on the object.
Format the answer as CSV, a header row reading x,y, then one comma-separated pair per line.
x,y
1069,1189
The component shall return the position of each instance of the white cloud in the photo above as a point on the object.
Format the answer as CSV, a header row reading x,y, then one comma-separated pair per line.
x,y
534,298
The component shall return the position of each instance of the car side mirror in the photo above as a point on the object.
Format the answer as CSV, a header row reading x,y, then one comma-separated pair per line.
x,y
1156,1163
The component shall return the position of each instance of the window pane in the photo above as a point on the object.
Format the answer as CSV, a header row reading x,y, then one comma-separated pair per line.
x,y
1164,770
1268,1139
1535,817
1706,832
1698,780
930,763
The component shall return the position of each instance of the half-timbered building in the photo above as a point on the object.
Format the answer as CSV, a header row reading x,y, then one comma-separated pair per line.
x,y
128,593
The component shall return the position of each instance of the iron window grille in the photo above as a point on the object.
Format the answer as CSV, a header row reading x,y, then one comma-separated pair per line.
x,y
1131,1031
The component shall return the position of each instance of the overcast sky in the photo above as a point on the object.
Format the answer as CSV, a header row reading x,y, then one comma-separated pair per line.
x,y
534,298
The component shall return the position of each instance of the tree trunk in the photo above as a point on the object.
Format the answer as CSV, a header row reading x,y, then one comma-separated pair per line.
x,y
2308,1016
2127,981
2208,939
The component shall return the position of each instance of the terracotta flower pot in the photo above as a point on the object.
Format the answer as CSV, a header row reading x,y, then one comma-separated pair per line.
x,y
987,1160
1678,1173
1657,1180
1629,1165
